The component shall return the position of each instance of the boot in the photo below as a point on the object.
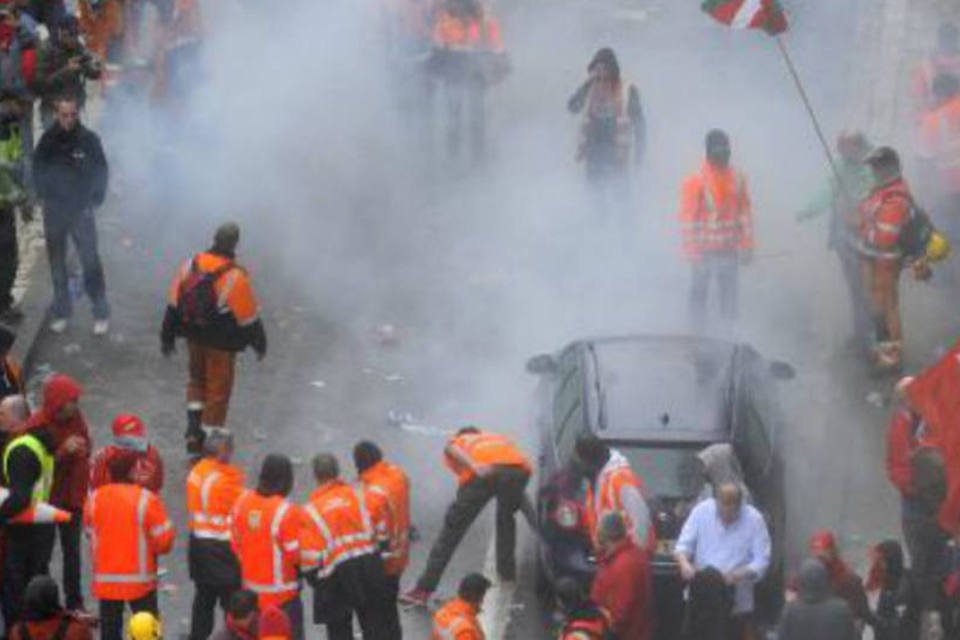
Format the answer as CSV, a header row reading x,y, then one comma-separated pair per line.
x,y
194,434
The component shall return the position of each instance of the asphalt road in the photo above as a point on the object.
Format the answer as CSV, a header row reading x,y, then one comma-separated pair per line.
x,y
480,269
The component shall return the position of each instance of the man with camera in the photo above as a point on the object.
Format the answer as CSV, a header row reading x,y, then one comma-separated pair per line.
x,y
65,66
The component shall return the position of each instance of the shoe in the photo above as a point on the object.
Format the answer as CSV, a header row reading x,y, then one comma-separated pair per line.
x,y
101,327
415,597
58,325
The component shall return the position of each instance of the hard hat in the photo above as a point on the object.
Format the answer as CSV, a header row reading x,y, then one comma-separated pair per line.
x,y
938,247
144,626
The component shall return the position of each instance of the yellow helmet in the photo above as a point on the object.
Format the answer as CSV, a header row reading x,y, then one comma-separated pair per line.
x,y
938,247
144,626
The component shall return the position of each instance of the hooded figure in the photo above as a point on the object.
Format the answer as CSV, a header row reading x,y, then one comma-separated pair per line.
x,y
844,582
816,613
721,465
60,416
43,618
897,616
129,441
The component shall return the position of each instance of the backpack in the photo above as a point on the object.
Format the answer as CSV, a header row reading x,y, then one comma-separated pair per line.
x,y
198,303
916,233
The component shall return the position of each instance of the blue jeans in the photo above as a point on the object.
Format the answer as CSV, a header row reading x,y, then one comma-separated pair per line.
x,y
82,228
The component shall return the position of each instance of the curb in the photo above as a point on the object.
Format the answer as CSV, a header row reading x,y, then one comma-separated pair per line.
x,y
35,305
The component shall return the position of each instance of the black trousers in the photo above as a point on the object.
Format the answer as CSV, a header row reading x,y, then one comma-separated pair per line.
x,y
508,486
9,257
70,533
206,597
927,546
391,614
371,625
27,552
111,614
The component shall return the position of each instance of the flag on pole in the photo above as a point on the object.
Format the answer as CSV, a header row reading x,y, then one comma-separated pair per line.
x,y
748,14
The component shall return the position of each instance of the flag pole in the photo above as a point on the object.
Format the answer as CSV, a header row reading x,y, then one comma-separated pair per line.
x,y
806,103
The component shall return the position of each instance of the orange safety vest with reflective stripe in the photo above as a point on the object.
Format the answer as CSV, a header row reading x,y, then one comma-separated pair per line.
x,y
612,479
468,453
234,291
128,528
265,533
922,82
456,33
940,143
882,216
343,522
715,212
457,620
213,488
390,481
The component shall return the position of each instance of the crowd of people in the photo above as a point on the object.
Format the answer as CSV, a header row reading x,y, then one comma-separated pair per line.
x,y
253,550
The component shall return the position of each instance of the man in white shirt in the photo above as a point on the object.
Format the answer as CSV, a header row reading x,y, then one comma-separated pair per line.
x,y
725,534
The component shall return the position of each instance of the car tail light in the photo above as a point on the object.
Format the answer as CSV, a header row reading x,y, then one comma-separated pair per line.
x,y
567,515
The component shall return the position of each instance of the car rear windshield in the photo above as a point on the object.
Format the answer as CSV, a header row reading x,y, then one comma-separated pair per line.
x,y
666,473
650,386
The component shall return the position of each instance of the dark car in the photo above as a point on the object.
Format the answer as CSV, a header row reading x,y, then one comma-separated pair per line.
x,y
659,400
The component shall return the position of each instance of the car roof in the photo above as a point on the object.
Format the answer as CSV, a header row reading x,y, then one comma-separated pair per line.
x,y
655,388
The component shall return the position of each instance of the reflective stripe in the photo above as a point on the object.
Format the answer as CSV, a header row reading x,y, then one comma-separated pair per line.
x,y
161,529
454,627
886,227
271,588
202,518
229,280
340,558
194,406
205,490
141,531
212,535
275,534
124,578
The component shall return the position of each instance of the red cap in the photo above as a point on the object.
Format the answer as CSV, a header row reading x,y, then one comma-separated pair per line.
x,y
823,540
274,624
129,432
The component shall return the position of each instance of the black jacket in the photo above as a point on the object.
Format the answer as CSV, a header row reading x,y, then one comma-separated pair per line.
x,y
816,613
70,169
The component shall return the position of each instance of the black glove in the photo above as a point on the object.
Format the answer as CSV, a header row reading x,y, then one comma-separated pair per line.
x,y
167,348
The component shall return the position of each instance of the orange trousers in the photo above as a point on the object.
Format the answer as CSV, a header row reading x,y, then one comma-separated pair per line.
x,y
881,278
211,382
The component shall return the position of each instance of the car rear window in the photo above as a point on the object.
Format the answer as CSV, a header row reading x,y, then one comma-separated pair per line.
x,y
666,473
661,386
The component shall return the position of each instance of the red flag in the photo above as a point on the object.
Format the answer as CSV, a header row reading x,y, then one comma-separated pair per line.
x,y
748,14
935,395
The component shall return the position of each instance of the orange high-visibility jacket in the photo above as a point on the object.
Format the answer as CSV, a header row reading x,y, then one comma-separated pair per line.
x,y
128,528
882,216
940,143
390,481
467,34
234,289
457,620
715,212
467,454
265,533
213,488
343,522
922,81
620,490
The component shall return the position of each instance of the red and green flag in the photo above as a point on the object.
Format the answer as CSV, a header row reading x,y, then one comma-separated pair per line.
x,y
748,14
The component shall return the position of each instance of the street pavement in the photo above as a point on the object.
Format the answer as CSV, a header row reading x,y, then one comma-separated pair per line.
x,y
478,270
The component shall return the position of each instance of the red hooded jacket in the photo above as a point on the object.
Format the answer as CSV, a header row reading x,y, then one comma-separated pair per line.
x,y
71,475
624,588
146,471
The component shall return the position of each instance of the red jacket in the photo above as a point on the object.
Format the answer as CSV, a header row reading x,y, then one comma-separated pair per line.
x,y
71,476
47,629
147,470
624,588
881,218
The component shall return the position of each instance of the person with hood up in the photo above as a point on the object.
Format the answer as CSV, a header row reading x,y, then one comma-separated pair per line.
x,y
129,441
816,613
60,416
897,615
623,585
44,619
844,582
720,465
583,619
243,617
